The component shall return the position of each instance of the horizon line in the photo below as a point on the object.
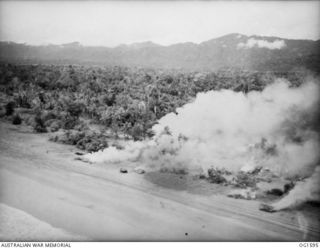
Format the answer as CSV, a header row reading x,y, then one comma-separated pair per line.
x,y
152,42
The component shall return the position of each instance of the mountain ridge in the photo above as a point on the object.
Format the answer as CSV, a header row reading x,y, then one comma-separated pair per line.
x,y
231,51
158,44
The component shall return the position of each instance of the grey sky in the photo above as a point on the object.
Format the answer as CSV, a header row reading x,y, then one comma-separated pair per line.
x,y
110,23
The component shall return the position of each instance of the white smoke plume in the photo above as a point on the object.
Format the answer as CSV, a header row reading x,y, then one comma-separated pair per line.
x,y
307,190
231,130
115,155
276,44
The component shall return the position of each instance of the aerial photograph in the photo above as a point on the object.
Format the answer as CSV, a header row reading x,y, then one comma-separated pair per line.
x,y
159,121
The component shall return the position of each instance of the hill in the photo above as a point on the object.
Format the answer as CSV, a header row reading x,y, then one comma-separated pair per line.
x,y
233,51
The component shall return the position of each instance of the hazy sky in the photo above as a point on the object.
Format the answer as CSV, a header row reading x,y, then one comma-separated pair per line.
x,y
110,23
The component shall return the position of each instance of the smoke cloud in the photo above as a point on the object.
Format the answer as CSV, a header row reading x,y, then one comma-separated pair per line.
x,y
274,129
307,190
277,44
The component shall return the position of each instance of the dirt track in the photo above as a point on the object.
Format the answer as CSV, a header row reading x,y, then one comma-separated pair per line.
x,y
96,202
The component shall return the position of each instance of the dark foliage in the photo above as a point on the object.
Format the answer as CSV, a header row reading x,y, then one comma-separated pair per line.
x,y
216,176
16,119
10,108
39,124
125,100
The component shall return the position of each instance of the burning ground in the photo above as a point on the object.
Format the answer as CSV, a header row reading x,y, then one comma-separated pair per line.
x,y
95,202
237,139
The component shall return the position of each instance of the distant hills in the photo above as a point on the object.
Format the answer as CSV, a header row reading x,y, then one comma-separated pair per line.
x,y
233,51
